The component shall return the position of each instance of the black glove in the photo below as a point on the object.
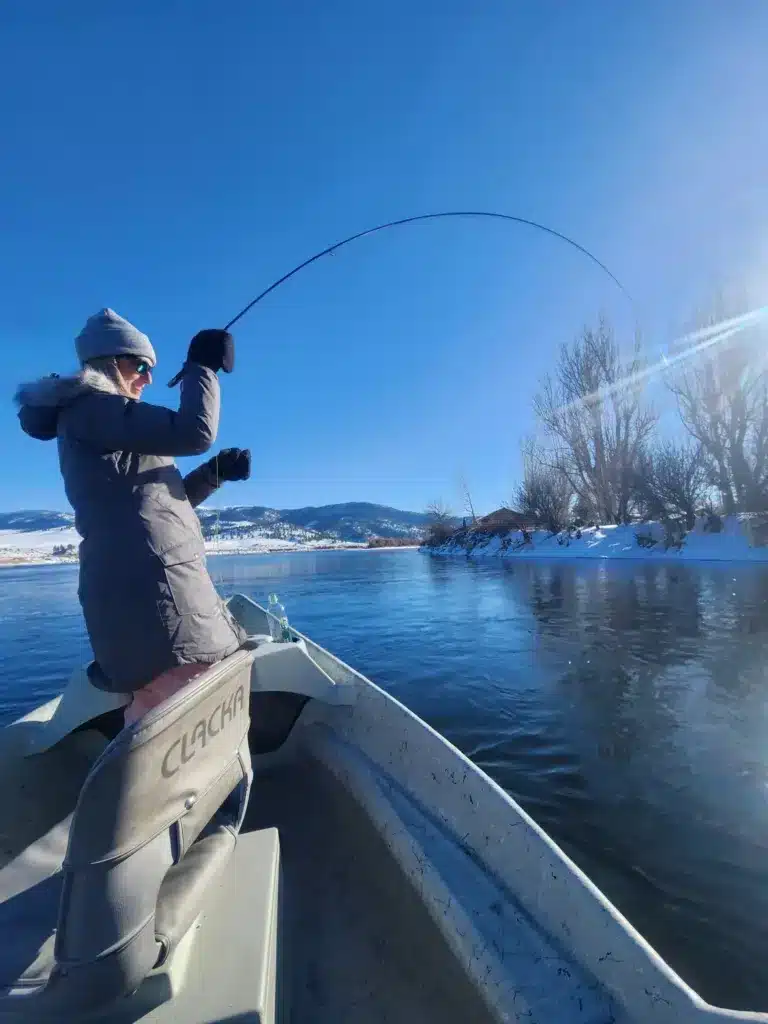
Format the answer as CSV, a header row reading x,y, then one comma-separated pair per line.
x,y
213,348
231,464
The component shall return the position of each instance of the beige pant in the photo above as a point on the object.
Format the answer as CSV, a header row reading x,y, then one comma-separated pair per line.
x,y
160,689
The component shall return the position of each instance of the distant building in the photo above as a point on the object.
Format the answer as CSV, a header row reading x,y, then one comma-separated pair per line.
x,y
505,519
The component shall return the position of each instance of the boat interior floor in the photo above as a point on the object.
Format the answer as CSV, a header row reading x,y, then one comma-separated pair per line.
x,y
355,941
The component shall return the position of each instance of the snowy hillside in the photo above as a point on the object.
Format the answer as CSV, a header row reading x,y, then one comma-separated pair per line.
x,y
351,521
32,536
38,536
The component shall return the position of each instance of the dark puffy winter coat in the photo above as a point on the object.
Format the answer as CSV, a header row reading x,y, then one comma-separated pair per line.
x,y
148,601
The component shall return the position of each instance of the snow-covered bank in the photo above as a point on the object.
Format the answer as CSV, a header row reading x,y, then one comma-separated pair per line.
x,y
740,539
58,546
37,547
41,541
266,546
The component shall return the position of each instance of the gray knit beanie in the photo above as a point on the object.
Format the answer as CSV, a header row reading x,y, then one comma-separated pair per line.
x,y
107,334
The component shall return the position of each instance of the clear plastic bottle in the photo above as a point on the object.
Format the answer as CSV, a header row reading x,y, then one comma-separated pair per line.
x,y
278,624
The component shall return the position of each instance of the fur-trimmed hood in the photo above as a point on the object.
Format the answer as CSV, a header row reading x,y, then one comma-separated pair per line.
x,y
40,401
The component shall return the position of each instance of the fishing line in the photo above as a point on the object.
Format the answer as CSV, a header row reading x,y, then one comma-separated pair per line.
x,y
413,220
217,521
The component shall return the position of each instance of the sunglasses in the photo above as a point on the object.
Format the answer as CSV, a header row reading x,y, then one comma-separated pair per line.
x,y
141,366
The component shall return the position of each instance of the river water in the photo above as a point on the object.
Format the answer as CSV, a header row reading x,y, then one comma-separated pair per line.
x,y
623,704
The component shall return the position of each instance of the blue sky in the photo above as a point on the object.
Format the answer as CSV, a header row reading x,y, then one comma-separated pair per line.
x,y
171,159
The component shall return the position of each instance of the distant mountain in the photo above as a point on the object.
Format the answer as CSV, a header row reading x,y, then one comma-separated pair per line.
x,y
27,521
354,521
240,527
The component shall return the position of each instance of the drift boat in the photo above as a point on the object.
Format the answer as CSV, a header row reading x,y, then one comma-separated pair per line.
x,y
283,841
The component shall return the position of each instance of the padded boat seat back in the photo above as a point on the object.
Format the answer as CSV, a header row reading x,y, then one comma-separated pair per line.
x,y
155,822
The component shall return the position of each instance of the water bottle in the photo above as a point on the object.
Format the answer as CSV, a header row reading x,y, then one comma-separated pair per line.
x,y
278,624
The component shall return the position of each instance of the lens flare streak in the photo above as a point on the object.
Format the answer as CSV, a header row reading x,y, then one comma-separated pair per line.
x,y
696,341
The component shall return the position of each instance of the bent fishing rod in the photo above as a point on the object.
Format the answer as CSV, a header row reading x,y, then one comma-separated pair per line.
x,y
413,220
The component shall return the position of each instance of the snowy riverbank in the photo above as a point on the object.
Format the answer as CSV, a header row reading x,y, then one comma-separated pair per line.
x,y
740,539
59,546
37,547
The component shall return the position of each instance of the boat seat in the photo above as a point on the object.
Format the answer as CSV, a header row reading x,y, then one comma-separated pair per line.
x,y
105,896
229,972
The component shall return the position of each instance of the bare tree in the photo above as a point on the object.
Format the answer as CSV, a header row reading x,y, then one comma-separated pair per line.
x,y
440,527
583,513
597,422
672,482
722,396
545,491
467,504
438,511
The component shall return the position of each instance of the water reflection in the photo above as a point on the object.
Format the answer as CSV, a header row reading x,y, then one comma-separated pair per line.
x,y
654,680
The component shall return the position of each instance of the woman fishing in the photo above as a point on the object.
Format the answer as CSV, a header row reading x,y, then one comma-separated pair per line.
x,y
153,616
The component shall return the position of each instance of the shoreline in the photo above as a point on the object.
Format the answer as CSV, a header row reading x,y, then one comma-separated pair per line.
x,y
20,562
739,541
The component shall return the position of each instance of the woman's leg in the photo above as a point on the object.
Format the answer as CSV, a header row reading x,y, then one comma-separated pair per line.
x,y
160,689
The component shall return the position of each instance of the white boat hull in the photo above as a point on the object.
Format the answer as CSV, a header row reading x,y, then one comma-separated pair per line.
x,y
405,884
